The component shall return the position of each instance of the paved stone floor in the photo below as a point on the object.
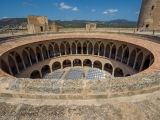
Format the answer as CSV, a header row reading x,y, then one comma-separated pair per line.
x,y
77,73
139,107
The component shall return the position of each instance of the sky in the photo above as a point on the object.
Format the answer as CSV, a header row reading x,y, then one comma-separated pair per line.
x,y
72,9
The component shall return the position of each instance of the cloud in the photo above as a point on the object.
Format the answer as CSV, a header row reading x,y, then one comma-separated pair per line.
x,y
65,6
110,11
75,9
29,4
93,10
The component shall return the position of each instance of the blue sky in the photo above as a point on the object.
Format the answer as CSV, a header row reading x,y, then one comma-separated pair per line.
x,y
72,9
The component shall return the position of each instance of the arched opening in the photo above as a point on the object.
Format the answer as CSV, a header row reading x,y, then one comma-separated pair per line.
x,y
62,48
107,52
41,28
132,58
4,66
118,72
85,48
139,61
90,48
45,52
96,48
68,49
119,55
108,67
87,63
79,49
12,65
125,56
146,63
39,54
26,59
45,70
51,51
56,66
56,49
19,62
97,64
73,48
127,75
101,50
35,74
66,63
77,62
32,56
113,52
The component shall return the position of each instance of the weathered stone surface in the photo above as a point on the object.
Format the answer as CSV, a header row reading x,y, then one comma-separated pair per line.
x,y
140,110
149,15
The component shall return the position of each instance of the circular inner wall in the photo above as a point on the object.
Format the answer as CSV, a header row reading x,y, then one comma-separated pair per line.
x,y
76,58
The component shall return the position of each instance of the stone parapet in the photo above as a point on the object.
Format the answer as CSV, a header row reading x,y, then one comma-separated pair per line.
x,y
78,89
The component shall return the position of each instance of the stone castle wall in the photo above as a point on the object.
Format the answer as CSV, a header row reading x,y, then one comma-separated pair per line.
x,y
149,18
37,20
146,81
37,24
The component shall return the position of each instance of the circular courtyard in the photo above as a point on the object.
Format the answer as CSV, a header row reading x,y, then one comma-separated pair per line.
x,y
80,72
115,57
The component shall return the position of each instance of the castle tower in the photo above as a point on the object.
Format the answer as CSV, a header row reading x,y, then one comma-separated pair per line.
x,y
37,24
149,18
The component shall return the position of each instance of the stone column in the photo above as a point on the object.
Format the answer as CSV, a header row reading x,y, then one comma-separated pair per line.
x,y
48,53
92,65
141,67
10,71
23,64
65,49
40,74
76,49
110,53
30,60
116,53
129,58
98,50
104,51
82,49
50,66
135,61
102,66
16,65
36,58
113,72
122,55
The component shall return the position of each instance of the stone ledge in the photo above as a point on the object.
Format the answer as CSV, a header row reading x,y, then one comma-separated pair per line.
x,y
82,88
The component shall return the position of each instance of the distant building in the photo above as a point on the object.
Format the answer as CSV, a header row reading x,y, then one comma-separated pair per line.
x,y
149,18
54,27
91,27
37,24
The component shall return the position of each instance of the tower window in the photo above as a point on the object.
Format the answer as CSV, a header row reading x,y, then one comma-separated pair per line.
x,y
147,25
41,28
152,7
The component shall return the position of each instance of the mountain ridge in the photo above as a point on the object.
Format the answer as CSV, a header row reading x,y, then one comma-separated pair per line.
x,y
72,23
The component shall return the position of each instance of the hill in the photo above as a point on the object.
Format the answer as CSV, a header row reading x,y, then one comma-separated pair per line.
x,y
14,22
